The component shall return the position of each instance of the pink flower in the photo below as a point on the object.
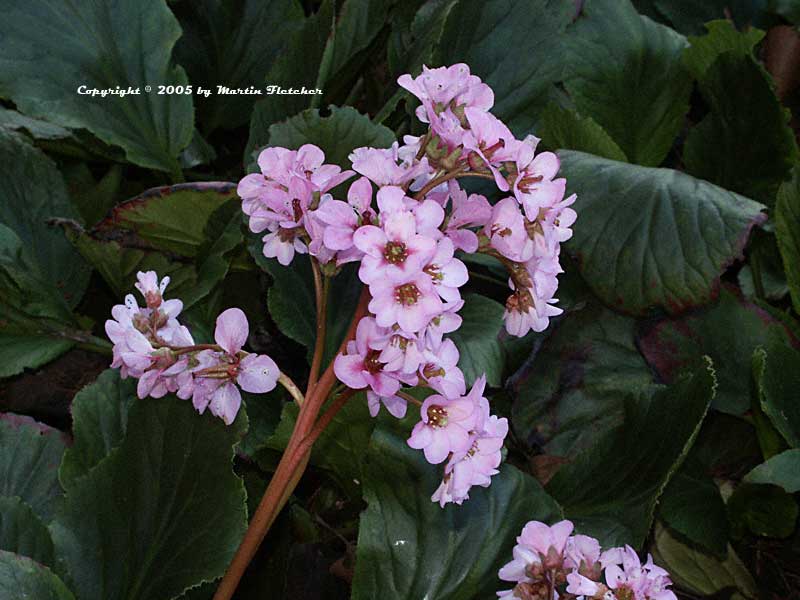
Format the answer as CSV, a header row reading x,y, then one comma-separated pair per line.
x,y
410,304
486,136
447,272
467,211
447,321
580,585
447,423
533,183
396,251
361,366
548,541
381,165
507,233
440,369
342,219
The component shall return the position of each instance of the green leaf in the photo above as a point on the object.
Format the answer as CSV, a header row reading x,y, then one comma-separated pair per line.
x,y
782,469
409,547
233,45
573,392
165,505
20,577
611,490
478,342
22,532
728,332
653,237
789,9
100,46
778,385
30,453
745,144
338,134
36,128
33,192
624,71
721,37
94,199
480,33
700,572
561,128
689,16
692,505
764,510
787,230
99,419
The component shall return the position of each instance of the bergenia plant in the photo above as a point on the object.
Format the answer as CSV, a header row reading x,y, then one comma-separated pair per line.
x,y
408,218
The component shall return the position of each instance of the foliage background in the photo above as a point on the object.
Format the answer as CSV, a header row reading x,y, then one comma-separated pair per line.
x,y
661,410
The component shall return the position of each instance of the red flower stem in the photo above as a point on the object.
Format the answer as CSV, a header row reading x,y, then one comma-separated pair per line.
x,y
292,464
321,297
447,177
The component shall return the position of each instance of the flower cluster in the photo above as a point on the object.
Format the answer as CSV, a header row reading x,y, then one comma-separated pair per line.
x,y
407,243
152,346
550,562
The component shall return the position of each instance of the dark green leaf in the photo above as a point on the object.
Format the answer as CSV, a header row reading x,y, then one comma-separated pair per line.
x,y
653,237
721,37
480,33
778,385
36,128
764,510
728,332
338,134
692,505
782,469
745,144
104,47
573,391
787,230
33,191
99,419
702,573
165,505
561,128
410,548
21,577
30,453
611,490
624,71
234,44
477,340
22,532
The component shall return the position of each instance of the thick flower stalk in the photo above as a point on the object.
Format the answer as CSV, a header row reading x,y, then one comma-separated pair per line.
x,y
407,221
550,563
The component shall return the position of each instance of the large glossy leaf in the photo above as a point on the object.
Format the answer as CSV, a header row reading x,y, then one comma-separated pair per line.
x,y
611,490
745,144
481,32
33,192
21,577
22,532
165,505
410,548
787,230
477,340
52,48
573,391
30,453
338,133
728,332
99,419
565,129
762,509
233,44
625,72
653,237
700,572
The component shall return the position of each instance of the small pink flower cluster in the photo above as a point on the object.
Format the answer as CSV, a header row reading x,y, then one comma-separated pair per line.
x,y
407,252
152,346
550,563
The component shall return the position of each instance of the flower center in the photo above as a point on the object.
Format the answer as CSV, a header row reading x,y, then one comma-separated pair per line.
x,y
395,253
527,182
437,416
371,362
431,370
435,271
407,294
